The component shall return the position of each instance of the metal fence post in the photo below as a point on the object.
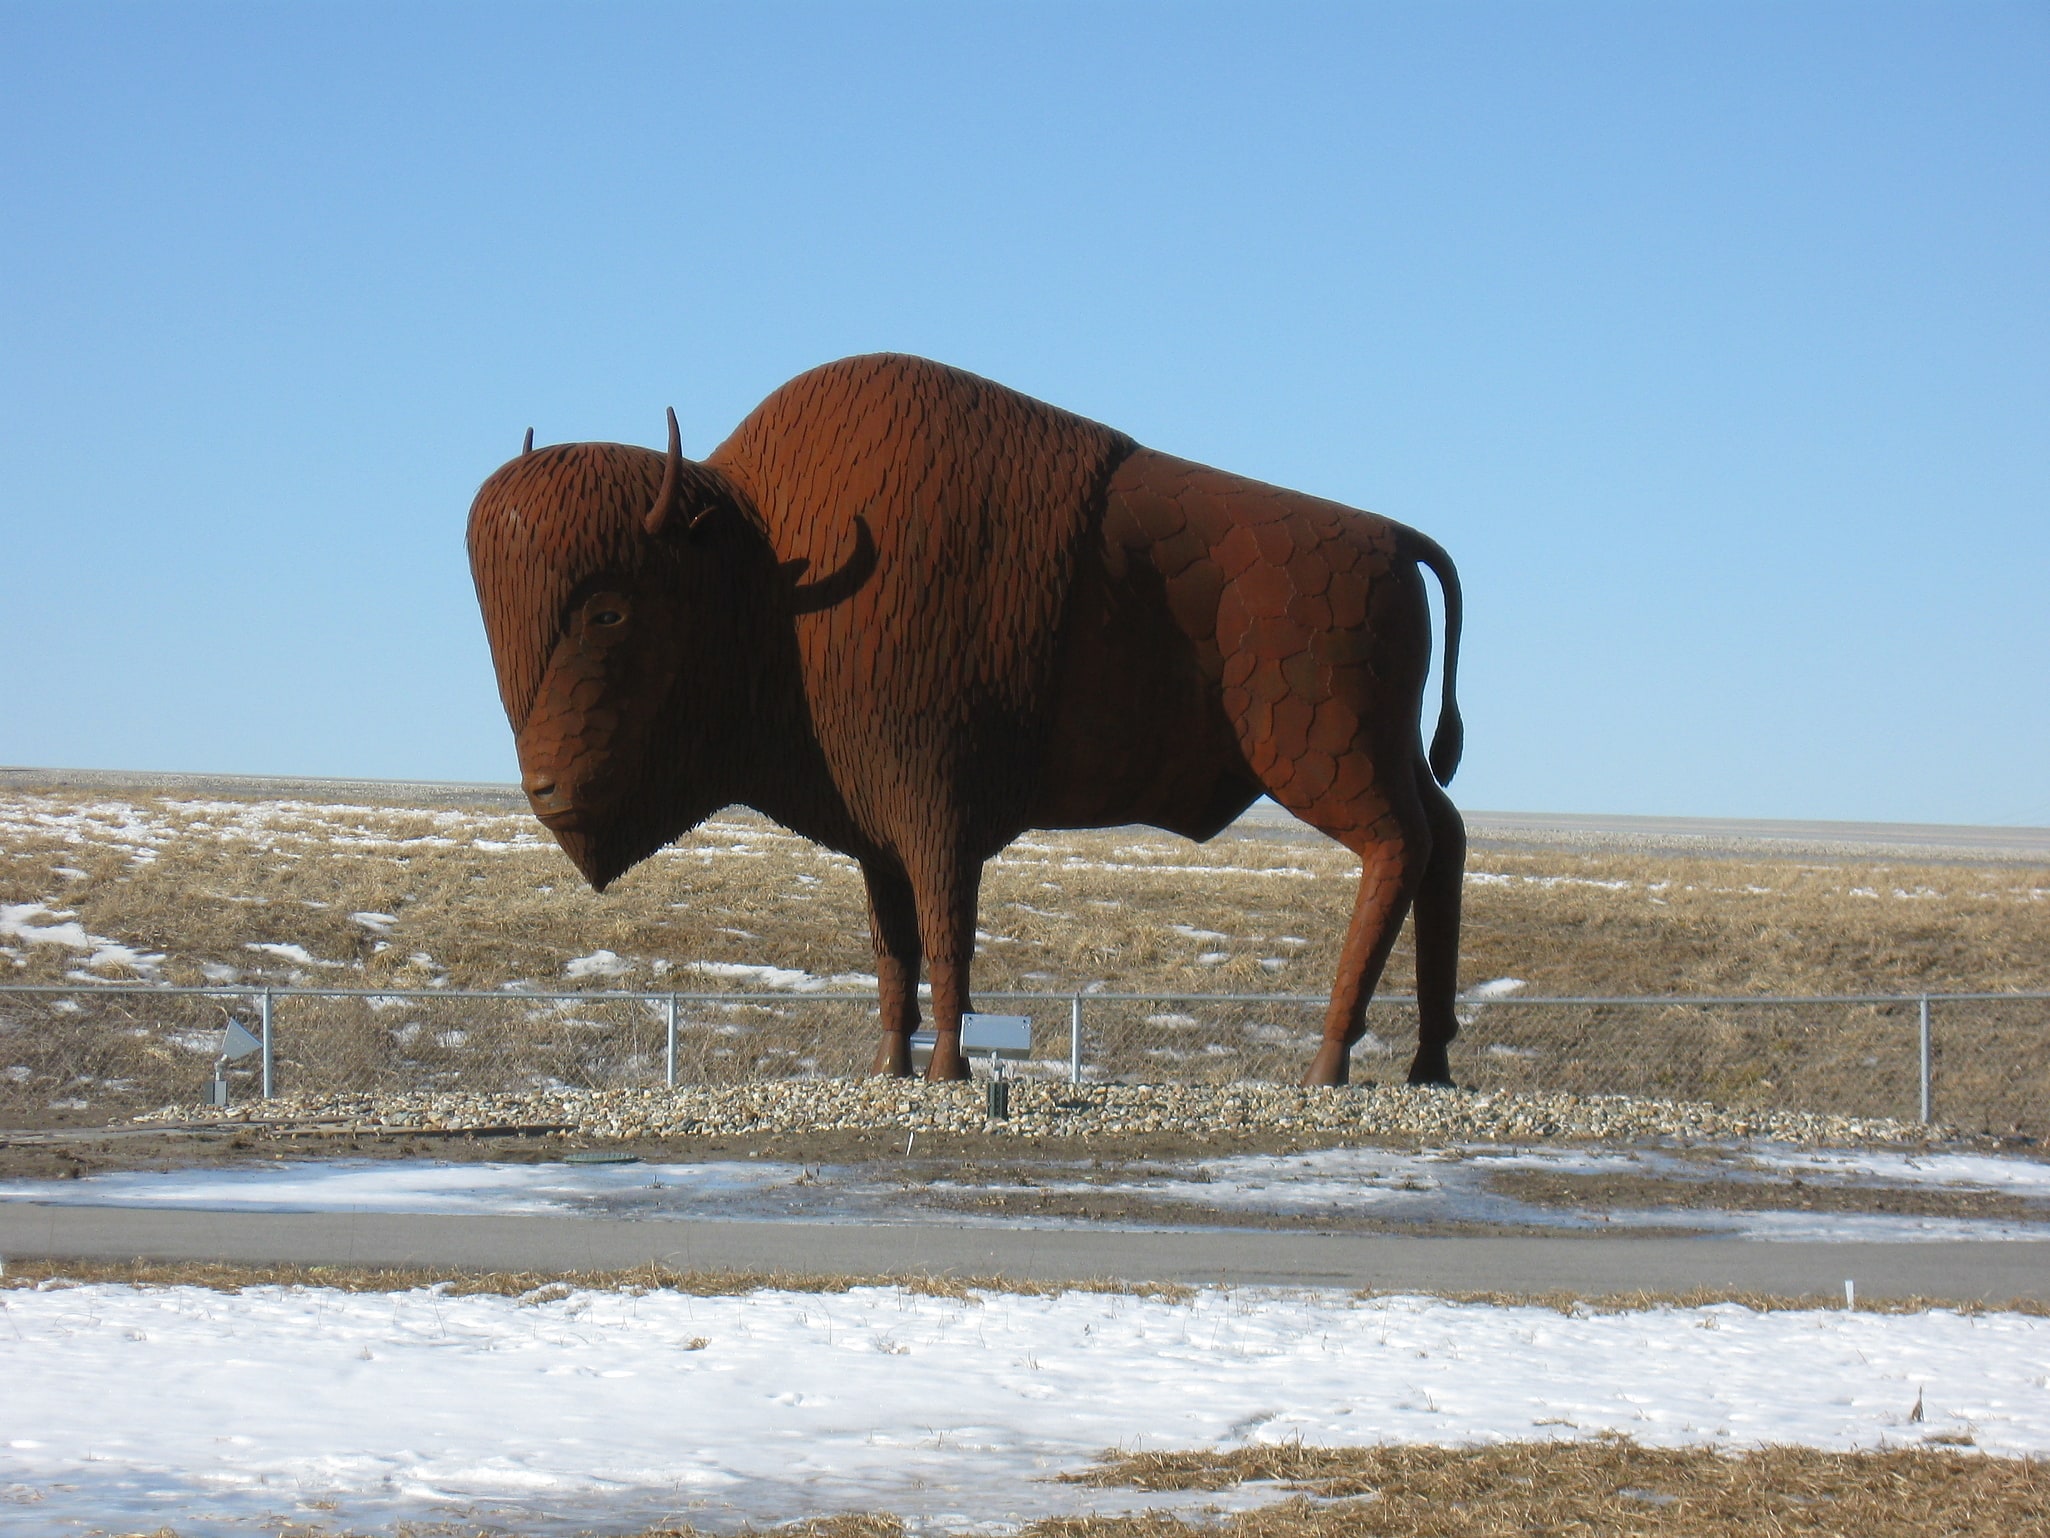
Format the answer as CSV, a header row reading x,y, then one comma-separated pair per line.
x,y
269,1071
669,1049
1925,1058
1075,1041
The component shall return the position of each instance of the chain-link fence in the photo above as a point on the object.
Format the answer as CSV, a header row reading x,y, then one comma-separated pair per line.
x,y
1980,1062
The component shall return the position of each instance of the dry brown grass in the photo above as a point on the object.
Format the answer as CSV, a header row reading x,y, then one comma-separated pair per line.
x,y
487,900
541,1286
480,899
1609,1486
233,1277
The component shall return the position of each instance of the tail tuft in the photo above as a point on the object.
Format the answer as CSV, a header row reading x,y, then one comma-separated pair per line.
x,y
1449,741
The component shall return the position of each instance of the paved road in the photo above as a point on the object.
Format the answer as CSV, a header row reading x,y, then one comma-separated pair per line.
x,y
1675,834
1959,1272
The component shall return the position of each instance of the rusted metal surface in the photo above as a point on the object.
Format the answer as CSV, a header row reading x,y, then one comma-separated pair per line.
x,y
910,613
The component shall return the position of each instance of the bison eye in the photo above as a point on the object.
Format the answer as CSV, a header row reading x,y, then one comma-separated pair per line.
x,y
604,611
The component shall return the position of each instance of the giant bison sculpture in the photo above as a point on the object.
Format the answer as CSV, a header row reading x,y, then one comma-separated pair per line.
x,y
909,614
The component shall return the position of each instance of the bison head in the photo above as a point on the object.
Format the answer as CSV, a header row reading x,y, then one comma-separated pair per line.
x,y
603,627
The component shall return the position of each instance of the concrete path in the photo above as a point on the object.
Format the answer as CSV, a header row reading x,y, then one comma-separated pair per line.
x,y
1957,1272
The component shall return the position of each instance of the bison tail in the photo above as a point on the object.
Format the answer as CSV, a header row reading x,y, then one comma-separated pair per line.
x,y
1450,739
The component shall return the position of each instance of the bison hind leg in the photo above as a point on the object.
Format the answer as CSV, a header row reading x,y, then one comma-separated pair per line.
x,y
1412,850
1435,915
1388,878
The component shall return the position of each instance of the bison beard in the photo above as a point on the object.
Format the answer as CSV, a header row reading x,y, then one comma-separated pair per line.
x,y
909,614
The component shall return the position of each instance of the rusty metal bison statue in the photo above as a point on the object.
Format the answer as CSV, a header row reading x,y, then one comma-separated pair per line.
x,y
909,614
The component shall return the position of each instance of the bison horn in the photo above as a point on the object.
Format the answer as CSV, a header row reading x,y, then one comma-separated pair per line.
x,y
671,494
527,447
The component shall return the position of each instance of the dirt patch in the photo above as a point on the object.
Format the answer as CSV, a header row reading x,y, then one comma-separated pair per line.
x,y
42,1154
1133,1209
1608,1193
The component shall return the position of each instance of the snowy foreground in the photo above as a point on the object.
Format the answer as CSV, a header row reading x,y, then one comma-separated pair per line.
x,y
129,1407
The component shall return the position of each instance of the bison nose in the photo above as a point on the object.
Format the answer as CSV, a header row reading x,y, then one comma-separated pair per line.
x,y
540,788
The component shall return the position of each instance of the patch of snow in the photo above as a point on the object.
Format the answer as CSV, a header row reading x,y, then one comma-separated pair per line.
x,y
1159,867
600,963
1197,934
1500,878
287,952
1495,988
17,922
1982,1172
784,979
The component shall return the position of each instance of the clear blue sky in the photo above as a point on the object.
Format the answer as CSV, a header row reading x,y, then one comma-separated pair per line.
x,y
1710,338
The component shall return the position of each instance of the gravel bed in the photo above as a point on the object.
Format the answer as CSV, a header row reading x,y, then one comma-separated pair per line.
x,y
1039,1110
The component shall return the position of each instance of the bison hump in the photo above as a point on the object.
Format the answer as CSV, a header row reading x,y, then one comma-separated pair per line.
x,y
978,501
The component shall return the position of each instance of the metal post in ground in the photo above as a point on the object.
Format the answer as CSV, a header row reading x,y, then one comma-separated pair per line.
x,y
1925,1058
269,1074
1075,1041
669,1051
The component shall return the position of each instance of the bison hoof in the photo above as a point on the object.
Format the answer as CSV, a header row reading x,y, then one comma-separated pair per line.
x,y
1433,1075
943,1070
892,1059
1332,1066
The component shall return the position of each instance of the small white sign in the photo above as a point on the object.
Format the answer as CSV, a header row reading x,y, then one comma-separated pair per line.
x,y
1004,1035
984,1036
237,1042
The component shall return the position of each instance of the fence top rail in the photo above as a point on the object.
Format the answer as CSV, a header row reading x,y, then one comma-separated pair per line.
x,y
662,995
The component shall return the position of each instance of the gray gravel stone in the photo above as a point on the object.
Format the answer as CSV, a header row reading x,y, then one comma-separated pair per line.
x,y
1040,1110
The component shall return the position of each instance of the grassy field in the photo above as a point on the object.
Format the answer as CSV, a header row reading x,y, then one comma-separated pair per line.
x,y
97,889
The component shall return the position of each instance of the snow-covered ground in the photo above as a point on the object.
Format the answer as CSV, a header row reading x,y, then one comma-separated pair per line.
x,y
231,1413
1444,1186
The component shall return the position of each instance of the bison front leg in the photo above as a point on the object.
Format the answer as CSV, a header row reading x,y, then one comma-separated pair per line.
x,y
947,892
893,924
